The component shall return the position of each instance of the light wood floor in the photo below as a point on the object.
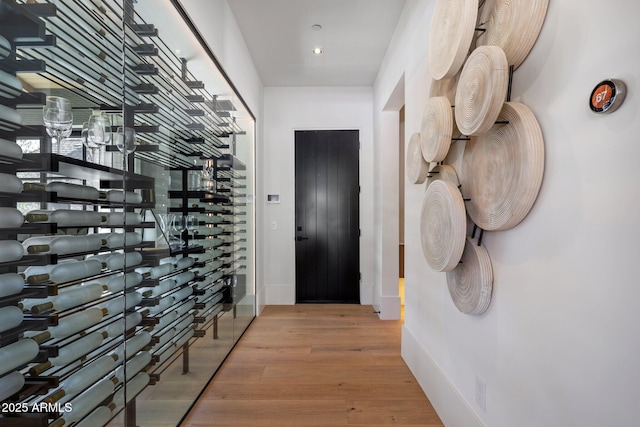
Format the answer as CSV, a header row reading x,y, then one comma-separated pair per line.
x,y
315,365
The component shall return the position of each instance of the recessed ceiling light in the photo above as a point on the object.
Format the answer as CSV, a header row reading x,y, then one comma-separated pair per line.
x,y
316,27
317,51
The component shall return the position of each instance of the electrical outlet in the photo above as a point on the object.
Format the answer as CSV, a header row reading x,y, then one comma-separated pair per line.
x,y
481,393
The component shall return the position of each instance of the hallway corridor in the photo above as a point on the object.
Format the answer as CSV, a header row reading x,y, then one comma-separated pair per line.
x,y
315,365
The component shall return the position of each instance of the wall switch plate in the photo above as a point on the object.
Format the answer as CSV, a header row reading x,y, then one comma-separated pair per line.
x,y
274,225
481,393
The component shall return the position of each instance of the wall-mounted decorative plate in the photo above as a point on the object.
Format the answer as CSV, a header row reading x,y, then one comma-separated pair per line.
x,y
452,28
417,167
514,26
443,225
471,282
482,89
502,169
437,129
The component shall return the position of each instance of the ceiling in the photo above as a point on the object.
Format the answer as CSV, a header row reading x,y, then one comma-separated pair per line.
x,y
354,38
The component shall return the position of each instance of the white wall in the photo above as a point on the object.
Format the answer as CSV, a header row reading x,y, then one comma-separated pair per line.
x,y
559,344
287,109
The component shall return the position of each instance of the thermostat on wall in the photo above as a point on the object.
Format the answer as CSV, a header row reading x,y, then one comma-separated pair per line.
x,y
607,96
273,198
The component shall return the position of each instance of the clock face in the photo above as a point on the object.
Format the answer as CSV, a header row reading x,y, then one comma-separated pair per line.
x,y
607,96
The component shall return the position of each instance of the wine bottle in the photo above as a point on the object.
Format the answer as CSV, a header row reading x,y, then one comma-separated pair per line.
x,y
123,281
88,400
119,240
163,286
83,378
9,251
10,284
184,323
163,304
184,277
133,345
10,149
67,298
217,275
10,218
72,191
182,293
118,327
71,352
212,242
118,261
204,257
164,321
133,366
10,384
120,219
163,338
185,262
214,219
122,303
157,271
133,388
10,317
62,245
77,322
181,310
119,196
20,352
63,272
184,338
66,217
10,183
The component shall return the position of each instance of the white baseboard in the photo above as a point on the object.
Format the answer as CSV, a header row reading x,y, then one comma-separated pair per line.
x,y
389,308
446,400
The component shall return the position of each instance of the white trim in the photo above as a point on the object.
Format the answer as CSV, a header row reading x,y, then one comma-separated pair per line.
x,y
445,398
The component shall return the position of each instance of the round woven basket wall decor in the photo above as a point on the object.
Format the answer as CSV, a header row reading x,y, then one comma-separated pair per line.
x,y
471,282
452,29
442,225
502,169
436,129
443,172
512,25
417,168
482,89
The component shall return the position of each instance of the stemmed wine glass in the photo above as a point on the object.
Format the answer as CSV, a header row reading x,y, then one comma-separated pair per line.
x,y
125,141
58,118
192,223
98,135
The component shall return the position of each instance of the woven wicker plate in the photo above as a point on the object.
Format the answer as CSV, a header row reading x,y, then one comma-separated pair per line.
x,y
482,89
471,282
442,225
512,25
443,172
417,168
452,28
502,170
437,129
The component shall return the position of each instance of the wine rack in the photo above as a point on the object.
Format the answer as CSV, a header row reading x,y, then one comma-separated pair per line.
x,y
96,300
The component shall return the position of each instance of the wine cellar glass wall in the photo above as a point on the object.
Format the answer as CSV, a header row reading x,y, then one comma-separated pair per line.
x,y
126,213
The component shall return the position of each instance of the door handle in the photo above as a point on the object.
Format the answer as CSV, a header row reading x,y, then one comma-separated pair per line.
x,y
298,238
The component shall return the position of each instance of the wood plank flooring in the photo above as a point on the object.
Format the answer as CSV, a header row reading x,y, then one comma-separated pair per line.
x,y
315,365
